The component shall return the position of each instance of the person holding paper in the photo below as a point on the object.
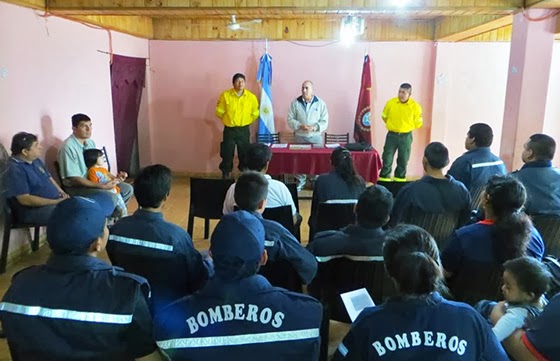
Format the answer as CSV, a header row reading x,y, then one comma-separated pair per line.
x,y
419,324
308,117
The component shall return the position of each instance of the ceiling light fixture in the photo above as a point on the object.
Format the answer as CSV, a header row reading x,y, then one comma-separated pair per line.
x,y
351,27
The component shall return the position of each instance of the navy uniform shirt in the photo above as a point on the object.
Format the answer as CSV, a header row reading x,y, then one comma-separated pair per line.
x,y
432,195
542,182
147,235
475,167
329,187
542,335
422,328
240,320
77,308
352,240
474,243
29,178
282,245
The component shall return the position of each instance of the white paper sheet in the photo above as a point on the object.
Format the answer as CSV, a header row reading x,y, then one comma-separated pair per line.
x,y
300,146
280,145
332,145
356,301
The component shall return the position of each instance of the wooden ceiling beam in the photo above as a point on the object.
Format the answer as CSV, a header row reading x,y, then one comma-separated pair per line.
x,y
262,8
457,28
33,4
542,4
140,26
291,29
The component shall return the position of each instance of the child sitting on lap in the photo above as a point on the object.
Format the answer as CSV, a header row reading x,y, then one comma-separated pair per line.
x,y
526,280
98,173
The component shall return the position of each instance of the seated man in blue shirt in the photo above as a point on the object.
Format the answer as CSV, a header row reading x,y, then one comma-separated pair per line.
x,y
362,239
76,306
540,340
238,315
250,195
146,244
478,164
29,182
540,178
435,192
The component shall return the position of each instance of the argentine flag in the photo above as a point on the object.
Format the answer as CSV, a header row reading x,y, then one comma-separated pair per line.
x,y
266,118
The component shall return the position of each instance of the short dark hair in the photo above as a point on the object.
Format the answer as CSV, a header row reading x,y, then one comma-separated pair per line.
x,y
482,134
236,76
257,156
21,141
250,188
437,155
152,185
531,275
542,146
374,207
406,86
91,156
77,118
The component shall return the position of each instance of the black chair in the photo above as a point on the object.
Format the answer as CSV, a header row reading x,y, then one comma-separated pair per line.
x,y
59,175
475,282
337,138
439,225
10,222
106,158
207,201
334,216
282,215
548,226
273,138
393,187
280,273
156,266
340,275
292,187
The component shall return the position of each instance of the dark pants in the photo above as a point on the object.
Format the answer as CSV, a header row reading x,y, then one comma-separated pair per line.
x,y
396,142
34,215
234,136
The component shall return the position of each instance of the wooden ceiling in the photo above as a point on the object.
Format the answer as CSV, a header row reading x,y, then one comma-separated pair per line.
x,y
386,20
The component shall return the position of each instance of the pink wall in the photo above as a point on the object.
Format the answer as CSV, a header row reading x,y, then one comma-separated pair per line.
x,y
552,114
470,87
55,70
187,77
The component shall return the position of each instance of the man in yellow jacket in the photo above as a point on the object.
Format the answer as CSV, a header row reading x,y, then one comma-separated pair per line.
x,y
401,115
237,108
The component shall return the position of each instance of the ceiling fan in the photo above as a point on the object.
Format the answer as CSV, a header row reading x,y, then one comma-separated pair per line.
x,y
233,25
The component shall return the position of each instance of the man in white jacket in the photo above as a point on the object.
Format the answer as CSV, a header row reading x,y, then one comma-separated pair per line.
x,y
309,118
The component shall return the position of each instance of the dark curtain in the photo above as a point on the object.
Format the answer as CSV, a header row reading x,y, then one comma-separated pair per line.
x,y
127,81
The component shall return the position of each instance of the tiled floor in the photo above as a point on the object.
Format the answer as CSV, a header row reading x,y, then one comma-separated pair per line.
x,y
176,211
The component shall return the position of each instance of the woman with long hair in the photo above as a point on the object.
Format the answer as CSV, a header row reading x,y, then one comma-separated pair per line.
x,y
342,184
506,233
474,256
418,324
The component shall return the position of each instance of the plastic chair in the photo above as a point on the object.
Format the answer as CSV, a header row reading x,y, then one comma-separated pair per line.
x,y
340,275
282,215
475,282
548,226
10,222
337,138
333,216
393,187
439,225
207,200
156,266
280,273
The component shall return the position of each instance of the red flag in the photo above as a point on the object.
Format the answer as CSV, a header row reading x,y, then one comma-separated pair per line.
x,y
362,123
